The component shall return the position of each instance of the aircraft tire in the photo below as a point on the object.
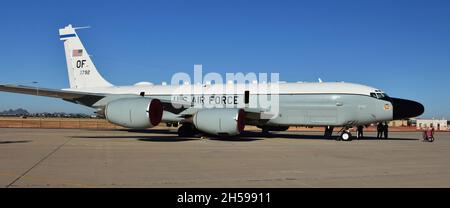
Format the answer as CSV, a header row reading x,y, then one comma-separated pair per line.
x,y
346,136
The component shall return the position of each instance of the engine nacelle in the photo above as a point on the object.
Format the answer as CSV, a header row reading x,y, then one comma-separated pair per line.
x,y
220,121
136,113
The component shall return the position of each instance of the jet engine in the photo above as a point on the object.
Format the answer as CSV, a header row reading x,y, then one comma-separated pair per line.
x,y
221,122
136,113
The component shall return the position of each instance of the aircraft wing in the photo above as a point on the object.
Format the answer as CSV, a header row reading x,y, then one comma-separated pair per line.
x,y
89,99
72,96
83,98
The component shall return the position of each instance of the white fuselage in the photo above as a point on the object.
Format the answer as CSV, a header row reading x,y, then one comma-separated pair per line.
x,y
315,104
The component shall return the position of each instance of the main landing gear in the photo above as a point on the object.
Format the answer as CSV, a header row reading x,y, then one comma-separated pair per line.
x,y
328,131
187,130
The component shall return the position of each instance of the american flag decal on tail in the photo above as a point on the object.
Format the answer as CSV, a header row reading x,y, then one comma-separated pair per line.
x,y
77,53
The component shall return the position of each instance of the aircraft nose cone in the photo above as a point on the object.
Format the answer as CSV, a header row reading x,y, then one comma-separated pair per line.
x,y
406,108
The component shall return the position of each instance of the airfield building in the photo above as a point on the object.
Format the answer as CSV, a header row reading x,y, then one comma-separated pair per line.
x,y
438,124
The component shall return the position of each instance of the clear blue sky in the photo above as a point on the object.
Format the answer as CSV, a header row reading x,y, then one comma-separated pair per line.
x,y
402,47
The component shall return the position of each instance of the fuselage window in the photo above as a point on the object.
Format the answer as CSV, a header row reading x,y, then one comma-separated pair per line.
x,y
373,95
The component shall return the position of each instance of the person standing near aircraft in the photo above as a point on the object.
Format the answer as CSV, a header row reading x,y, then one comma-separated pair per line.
x,y
385,130
428,134
379,130
360,133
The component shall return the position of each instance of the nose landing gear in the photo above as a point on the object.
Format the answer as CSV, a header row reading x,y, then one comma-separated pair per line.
x,y
346,135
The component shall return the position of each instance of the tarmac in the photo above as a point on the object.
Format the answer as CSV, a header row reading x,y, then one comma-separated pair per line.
x,y
158,158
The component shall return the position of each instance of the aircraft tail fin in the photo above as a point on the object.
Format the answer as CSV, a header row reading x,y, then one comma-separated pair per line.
x,y
81,70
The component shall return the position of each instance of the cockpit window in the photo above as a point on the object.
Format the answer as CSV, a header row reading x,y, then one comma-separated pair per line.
x,y
378,95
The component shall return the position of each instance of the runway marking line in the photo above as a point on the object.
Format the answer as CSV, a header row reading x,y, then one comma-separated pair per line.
x,y
39,162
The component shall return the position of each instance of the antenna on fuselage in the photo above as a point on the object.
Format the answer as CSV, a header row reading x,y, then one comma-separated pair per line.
x,y
84,27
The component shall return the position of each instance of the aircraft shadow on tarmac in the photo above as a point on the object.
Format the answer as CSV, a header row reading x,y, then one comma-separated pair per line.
x,y
164,138
248,136
171,136
164,131
318,137
14,142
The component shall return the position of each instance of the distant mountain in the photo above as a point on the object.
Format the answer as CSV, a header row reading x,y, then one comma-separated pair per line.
x,y
18,111
23,112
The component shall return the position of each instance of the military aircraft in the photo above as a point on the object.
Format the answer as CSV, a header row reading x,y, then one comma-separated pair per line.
x,y
145,105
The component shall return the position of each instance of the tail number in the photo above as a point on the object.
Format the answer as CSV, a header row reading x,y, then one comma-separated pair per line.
x,y
80,65
85,72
